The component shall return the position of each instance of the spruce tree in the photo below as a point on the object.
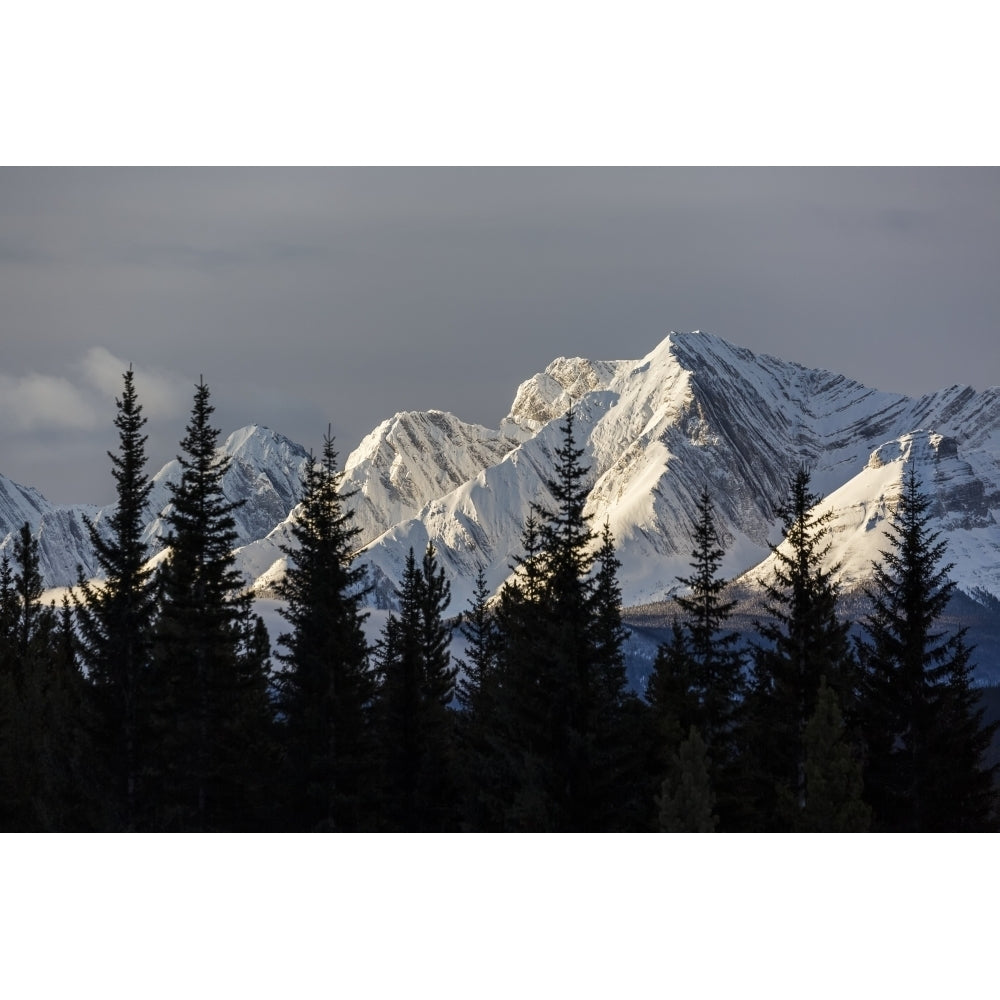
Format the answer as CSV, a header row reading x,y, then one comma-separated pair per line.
x,y
210,719
618,714
478,626
672,710
717,662
704,674
440,674
608,630
560,666
925,732
687,800
834,784
115,618
481,761
671,691
326,687
46,757
415,728
806,640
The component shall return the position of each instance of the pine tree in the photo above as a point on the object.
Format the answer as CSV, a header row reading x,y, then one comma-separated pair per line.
x,y
440,674
415,729
834,784
439,777
608,630
46,759
671,690
618,763
925,731
481,763
115,619
326,688
672,710
704,673
479,667
209,721
687,801
718,664
807,641
560,668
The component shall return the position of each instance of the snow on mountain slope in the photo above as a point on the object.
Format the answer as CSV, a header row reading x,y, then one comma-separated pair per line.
x,y
548,394
965,504
19,504
265,474
695,412
62,533
411,458
388,478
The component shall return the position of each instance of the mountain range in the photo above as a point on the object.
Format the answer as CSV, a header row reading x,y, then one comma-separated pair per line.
x,y
695,412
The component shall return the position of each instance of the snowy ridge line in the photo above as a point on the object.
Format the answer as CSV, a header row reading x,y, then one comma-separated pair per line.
x,y
695,412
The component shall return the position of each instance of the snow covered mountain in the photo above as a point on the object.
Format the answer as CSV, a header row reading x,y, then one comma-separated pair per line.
x,y
694,412
965,498
390,476
264,473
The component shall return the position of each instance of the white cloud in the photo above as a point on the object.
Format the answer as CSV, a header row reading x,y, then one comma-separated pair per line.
x,y
39,402
161,394
36,402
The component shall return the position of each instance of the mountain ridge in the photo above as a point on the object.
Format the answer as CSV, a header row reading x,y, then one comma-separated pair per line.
x,y
695,412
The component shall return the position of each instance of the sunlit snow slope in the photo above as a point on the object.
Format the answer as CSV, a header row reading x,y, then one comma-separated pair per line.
x,y
695,412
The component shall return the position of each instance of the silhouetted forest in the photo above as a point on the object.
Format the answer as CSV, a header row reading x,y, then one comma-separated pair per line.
x,y
151,700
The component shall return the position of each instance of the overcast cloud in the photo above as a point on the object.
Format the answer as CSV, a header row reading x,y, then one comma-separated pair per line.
x,y
308,297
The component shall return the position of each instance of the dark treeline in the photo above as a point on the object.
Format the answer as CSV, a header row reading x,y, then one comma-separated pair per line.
x,y
152,701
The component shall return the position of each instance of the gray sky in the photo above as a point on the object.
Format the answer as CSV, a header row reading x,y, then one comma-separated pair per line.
x,y
343,295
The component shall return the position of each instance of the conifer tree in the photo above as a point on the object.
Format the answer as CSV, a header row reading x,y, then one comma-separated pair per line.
x,y
415,729
115,619
807,641
925,732
481,759
46,760
618,755
440,674
209,720
326,688
672,710
687,801
609,632
479,667
560,671
14,780
717,663
698,676
834,785
671,691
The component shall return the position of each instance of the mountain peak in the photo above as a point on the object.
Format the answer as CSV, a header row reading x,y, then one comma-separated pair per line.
x,y
695,412
550,393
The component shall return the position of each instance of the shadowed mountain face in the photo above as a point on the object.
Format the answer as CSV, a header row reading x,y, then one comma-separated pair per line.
x,y
695,412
